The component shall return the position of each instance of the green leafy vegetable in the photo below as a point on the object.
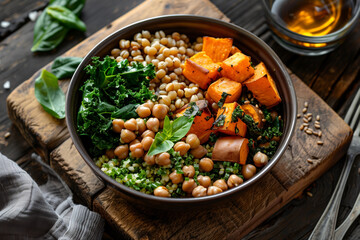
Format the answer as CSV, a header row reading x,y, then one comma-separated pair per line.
x,y
172,132
49,94
64,67
48,32
66,17
113,90
222,99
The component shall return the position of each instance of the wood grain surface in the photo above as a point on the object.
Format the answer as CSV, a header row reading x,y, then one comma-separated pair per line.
x,y
341,67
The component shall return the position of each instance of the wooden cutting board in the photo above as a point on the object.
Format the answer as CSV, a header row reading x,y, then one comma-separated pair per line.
x,y
291,175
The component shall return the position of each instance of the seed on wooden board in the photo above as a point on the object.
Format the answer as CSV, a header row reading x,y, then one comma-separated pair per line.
x,y
317,126
7,134
304,110
309,119
298,116
315,133
320,133
318,117
309,194
317,122
306,124
309,160
302,127
305,120
306,104
305,128
320,142
309,114
309,131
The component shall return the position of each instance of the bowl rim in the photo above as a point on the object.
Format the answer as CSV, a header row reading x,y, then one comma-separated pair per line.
x,y
331,37
139,195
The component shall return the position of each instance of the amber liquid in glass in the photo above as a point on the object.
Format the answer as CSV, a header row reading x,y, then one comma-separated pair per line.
x,y
313,17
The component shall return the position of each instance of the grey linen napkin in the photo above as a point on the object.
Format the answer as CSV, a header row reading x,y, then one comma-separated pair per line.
x,y
30,211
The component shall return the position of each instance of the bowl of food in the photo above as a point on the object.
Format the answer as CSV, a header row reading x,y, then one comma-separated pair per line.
x,y
181,110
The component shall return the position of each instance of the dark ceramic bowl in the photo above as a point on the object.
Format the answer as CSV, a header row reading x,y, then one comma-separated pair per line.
x,y
192,26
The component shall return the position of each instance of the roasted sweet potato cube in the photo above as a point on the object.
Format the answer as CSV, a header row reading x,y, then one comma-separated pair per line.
x,y
224,122
237,67
201,69
202,124
254,112
225,85
218,49
263,87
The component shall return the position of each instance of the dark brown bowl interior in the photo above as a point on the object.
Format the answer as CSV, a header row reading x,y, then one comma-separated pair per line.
x,y
193,26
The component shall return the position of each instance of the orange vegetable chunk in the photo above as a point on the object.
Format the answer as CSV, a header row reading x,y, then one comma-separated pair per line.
x,y
225,85
263,87
237,67
218,49
201,69
231,149
202,124
231,128
254,112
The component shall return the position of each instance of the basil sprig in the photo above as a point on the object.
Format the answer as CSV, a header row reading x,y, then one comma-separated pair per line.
x,y
66,17
172,132
49,94
64,67
49,32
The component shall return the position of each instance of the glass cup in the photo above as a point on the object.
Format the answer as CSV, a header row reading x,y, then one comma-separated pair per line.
x,y
307,43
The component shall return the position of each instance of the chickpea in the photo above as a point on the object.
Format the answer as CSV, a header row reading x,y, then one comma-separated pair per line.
x,y
212,190
163,159
159,111
150,160
149,104
134,145
248,171
143,111
122,151
148,133
181,147
234,181
146,143
193,141
206,164
138,152
131,124
141,125
153,124
260,159
204,181
199,152
176,178
199,191
188,186
220,183
110,153
127,136
189,171
117,125
115,52
161,192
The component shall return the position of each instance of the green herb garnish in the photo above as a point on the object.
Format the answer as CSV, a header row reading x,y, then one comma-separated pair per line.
x,y
223,99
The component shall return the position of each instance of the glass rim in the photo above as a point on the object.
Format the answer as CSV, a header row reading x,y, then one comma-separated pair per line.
x,y
316,39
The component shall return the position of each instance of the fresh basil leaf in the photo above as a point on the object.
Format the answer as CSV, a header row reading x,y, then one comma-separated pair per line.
x,y
167,129
64,67
66,17
49,33
49,94
180,127
160,145
126,112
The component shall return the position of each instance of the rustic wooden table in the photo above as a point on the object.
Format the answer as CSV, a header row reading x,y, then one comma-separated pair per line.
x,y
334,77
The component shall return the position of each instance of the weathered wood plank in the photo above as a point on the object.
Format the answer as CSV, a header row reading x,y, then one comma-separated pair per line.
x,y
68,163
228,220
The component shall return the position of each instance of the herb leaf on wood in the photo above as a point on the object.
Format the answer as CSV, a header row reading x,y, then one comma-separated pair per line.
x,y
64,67
66,17
49,94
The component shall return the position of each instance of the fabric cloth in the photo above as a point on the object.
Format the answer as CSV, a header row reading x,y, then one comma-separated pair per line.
x,y
32,211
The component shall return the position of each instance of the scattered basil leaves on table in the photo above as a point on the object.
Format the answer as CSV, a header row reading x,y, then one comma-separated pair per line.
x,y
66,17
64,67
48,31
172,132
49,94
47,90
